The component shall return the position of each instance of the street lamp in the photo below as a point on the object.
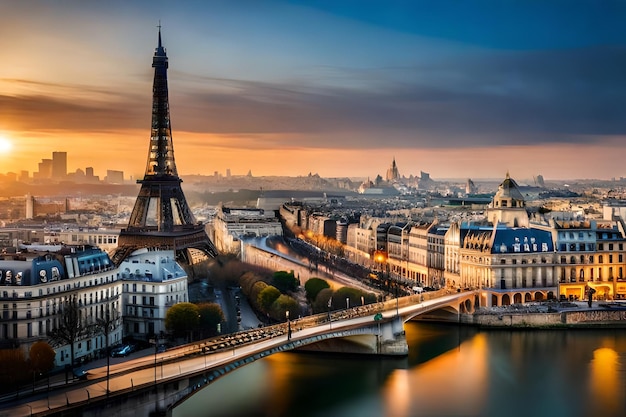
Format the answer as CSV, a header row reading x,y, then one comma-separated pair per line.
x,y
288,325
347,303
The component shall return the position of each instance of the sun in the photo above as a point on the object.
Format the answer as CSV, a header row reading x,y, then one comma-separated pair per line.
x,y
5,145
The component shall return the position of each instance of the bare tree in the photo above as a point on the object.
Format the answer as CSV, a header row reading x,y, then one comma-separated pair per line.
x,y
71,326
104,325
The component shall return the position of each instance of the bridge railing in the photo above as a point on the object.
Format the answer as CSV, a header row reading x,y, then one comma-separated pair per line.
x,y
234,340
254,335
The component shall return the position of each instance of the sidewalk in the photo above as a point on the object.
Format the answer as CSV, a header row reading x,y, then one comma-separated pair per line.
x,y
57,378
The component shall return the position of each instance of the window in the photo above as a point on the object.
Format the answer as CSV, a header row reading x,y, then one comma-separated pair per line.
x,y
600,259
610,246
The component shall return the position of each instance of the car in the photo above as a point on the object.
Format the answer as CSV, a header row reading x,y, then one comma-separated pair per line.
x,y
116,350
80,374
123,351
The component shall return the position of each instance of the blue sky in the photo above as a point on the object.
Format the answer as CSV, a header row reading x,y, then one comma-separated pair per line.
x,y
454,88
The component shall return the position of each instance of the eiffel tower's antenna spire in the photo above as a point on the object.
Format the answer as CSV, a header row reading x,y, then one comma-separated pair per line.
x,y
161,153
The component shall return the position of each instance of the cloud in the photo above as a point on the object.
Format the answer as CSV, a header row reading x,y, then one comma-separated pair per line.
x,y
482,99
500,98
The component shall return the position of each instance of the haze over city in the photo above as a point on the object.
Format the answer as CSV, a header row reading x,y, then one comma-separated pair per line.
x,y
456,89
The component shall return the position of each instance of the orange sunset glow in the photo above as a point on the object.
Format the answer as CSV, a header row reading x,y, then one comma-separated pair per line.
x,y
288,88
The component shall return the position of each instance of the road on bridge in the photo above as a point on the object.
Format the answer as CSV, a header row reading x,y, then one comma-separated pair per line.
x,y
214,353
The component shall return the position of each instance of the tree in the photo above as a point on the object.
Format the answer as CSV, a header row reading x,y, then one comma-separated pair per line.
x,y
248,280
354,295
281,305
41,357
105,325
313,287
320,304
266,297
210,315
182,318
285,281
253,296
13,369
72,326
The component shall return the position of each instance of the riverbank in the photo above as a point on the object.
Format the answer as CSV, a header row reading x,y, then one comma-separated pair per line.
x,y
550,315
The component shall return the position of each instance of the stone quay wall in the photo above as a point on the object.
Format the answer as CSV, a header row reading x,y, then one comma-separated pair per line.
x,y
562,319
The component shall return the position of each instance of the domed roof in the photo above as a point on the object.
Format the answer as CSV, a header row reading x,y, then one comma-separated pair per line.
x,y
509,190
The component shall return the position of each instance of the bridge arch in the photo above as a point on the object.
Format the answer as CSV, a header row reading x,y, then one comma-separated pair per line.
x,y
498,299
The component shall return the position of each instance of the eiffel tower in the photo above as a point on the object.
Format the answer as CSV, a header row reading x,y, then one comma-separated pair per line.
x,y
161,217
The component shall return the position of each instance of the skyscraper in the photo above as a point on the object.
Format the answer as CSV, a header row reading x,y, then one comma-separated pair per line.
x,y
59,165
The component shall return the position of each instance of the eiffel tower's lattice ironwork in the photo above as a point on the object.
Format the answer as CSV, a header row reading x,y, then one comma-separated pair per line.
x,y
161,217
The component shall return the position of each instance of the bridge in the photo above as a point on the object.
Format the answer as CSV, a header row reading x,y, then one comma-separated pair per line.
x,y
153,385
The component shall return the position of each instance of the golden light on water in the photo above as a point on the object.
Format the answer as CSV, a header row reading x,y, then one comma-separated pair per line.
x,y
604,379
464,377
399,388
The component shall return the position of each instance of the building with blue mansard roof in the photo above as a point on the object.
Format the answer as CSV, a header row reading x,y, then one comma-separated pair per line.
x,y
34,287
137,294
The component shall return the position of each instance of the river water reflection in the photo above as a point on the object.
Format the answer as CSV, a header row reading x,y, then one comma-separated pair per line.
x,y
450,372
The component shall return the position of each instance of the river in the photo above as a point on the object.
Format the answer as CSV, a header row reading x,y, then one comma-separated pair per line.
x,y
450,372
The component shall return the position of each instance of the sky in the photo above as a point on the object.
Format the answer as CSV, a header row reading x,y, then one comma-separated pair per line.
x,y
458,89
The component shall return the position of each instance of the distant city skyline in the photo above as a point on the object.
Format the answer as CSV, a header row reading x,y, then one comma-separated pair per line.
x,y
338,88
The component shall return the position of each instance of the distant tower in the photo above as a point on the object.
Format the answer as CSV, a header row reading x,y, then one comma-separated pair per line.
x,y
59,165
392,173
45,169
161,216
30,207
539,182
470,187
